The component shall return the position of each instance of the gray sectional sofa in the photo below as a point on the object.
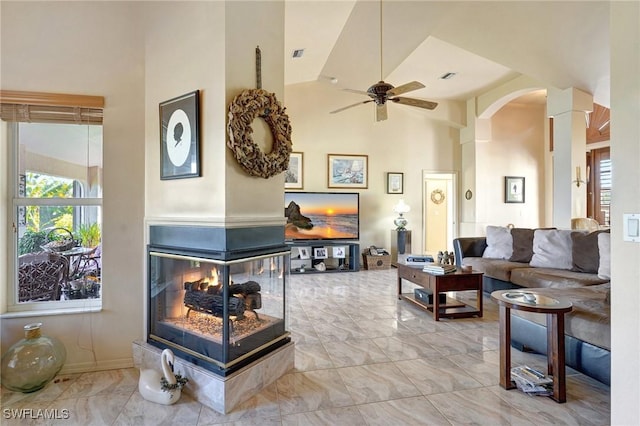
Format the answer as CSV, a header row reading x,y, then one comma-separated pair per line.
x,y
571,265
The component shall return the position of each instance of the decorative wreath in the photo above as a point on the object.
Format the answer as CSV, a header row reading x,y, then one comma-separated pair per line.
x,y
437,196
242,111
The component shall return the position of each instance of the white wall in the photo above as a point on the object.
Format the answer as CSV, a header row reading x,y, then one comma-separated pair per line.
x,y
250,24
94,49
408,142
625,198
516,148
184,51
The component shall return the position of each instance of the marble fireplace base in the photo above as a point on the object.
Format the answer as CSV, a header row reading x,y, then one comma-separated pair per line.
x,y
221,394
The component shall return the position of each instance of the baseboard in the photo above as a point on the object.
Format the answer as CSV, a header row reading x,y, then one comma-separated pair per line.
x,y
86,367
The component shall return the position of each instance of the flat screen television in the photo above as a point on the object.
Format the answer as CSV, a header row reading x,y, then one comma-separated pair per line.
x,y
322,215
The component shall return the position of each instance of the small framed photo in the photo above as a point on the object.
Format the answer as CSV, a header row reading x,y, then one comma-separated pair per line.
x,y
347,171
179,137
304,253
395,183
293,175
320,252
339,252
513,189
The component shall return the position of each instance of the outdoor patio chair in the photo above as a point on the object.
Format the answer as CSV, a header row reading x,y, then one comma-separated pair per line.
x,y
41,276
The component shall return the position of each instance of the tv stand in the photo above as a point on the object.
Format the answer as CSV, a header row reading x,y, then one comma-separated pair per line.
x,y
337,256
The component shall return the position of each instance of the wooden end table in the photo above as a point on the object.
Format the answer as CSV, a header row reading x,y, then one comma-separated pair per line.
x,y
454,281
555,310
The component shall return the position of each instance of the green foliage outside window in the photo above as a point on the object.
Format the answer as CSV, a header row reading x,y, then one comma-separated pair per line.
x,y
44,186
89,235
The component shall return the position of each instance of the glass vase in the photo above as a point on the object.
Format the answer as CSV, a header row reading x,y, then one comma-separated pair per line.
x,y
32,362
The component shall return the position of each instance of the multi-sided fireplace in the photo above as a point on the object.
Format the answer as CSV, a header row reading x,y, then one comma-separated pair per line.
x,y
216,296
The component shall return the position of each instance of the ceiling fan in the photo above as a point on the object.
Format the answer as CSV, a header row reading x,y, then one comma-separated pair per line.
x,y
381,92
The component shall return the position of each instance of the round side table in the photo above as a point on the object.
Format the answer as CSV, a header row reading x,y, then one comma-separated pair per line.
x,y
555,309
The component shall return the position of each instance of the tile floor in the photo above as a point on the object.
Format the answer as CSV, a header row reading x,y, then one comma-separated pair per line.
x,y
362,358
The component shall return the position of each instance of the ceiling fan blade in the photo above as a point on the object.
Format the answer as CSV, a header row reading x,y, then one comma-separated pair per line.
x,y
381,112
415,102
360,92
414,85
351,106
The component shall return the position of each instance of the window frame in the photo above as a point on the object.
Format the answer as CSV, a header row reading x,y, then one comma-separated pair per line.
x,y
73,107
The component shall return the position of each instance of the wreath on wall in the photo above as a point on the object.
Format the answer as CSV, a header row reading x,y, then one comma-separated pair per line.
x,y
437,196
243,110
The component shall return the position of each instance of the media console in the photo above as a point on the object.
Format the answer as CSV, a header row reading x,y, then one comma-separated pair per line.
x,y
337,256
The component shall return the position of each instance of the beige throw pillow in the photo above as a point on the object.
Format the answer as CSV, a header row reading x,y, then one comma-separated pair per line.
x,y
552,249
499,243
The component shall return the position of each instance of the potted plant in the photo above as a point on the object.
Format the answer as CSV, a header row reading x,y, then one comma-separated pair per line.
x,y
31,241
89,235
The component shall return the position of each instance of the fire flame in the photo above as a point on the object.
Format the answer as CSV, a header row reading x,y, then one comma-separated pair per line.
x,y
214,277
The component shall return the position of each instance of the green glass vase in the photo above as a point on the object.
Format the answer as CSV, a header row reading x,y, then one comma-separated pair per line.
x,y
32,362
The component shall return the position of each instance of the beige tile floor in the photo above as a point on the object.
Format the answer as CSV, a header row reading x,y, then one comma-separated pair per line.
x,y
362,358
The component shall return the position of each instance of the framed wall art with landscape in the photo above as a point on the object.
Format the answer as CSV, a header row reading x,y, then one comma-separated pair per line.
x,y
513,189
293,175
347,171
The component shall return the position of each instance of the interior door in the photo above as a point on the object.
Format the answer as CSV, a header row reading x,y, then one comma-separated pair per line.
x,y
439,212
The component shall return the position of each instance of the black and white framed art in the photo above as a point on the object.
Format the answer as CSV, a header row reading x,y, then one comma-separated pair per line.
x,y
179,137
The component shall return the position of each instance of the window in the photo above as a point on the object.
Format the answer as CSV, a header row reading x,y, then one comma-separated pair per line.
x,y
56,168
599,189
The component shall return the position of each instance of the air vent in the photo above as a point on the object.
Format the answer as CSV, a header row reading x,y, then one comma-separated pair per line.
x,y
297,53
447,76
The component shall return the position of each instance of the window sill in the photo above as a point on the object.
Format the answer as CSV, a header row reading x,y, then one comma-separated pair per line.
x,y
96,306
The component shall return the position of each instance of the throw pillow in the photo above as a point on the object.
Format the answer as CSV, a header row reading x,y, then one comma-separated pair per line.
x,y
552,249
604,249
499,243
585,252
522,245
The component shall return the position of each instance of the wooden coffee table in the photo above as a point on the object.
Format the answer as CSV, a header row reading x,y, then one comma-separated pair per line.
x,y
555,310
455,281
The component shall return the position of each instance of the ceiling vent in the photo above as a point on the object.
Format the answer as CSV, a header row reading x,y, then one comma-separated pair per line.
x,y
297,53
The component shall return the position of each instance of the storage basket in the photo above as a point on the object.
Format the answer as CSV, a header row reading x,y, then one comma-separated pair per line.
x,y
371,262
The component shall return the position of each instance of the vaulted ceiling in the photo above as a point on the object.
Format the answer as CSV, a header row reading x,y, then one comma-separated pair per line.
x,y
561,44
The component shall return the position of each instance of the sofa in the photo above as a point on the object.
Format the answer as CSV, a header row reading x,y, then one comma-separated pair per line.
x,y
566,264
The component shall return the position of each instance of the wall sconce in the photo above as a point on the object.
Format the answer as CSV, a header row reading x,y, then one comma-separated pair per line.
x,y
401,208
578,180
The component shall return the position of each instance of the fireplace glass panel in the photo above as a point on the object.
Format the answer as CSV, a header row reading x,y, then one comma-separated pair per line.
x,y
217,314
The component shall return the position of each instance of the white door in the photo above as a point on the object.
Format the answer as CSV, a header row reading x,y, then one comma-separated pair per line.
x,y
439,212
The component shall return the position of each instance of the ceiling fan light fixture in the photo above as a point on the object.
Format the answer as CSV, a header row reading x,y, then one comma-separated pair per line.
x,y
447,76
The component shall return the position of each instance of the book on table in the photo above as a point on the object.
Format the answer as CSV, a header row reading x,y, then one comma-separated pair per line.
x,y
438,268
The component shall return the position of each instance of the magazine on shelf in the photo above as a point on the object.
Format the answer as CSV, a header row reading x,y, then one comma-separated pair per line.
x,y
529,389
530,375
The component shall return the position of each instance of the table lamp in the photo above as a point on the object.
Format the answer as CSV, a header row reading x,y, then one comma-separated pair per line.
x,y
401,208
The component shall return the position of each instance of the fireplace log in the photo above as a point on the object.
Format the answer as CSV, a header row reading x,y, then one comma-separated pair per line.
x,y
250,287
212,304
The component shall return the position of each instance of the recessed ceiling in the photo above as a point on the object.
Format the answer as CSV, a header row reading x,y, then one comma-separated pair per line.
x,y
561,44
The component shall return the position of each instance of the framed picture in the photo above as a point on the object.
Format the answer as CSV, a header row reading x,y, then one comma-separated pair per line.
x,y
179,137
347,171
395,183
320,252
339,252
293,175
304,252
513,189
